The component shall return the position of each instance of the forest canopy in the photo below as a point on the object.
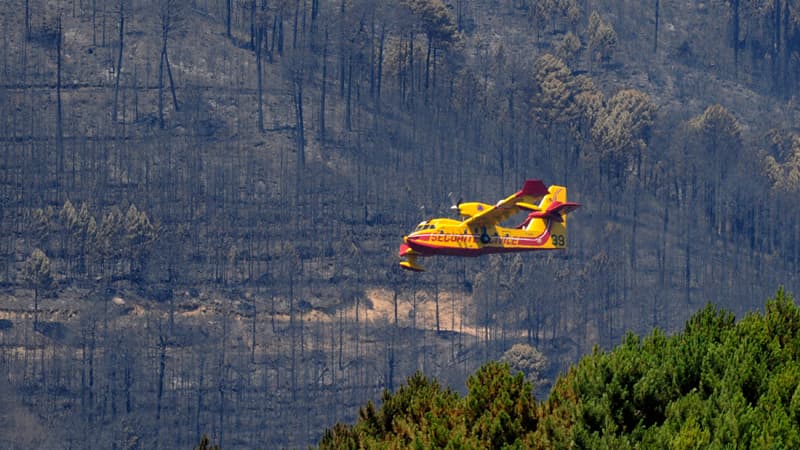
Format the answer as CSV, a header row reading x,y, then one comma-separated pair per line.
x,y
717,383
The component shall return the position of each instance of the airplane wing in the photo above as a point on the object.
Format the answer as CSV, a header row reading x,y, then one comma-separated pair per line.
x,y
531,191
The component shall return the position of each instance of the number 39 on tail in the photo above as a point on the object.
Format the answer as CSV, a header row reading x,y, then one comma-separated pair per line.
x,y
479,232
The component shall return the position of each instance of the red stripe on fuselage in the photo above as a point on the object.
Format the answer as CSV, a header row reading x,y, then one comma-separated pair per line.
x,y
435,244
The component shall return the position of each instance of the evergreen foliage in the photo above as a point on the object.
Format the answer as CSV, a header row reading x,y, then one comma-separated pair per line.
x,y
528,360
36,274
785,176
717,384
36,271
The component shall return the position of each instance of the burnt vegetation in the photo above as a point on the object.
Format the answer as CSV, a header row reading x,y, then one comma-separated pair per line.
x,y
201,201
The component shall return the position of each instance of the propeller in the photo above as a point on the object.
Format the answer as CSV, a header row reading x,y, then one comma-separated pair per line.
x,y
456,204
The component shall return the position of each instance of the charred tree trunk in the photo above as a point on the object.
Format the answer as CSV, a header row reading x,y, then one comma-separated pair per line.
x,y
655,30
735,37
428,65
119,57
164,62
348,100
59,109
380,66
171,80
297,84
259,78
228,18
323,88
162,365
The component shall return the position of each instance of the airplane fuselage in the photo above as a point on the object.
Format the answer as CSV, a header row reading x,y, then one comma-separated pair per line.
x,y
454,238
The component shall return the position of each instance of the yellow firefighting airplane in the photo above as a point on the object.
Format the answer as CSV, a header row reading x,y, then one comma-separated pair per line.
x,y
545,228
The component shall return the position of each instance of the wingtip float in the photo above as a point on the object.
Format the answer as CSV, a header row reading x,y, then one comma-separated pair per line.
x,y
479,232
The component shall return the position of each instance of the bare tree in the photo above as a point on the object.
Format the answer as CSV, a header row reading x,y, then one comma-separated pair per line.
x,y
170,14
656,16
59,105
118,71
36,273
260,36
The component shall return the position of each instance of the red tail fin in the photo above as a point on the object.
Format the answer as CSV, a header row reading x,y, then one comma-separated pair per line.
x,y
533,188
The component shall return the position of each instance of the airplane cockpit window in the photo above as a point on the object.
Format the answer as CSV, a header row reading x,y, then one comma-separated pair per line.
x,y
425,226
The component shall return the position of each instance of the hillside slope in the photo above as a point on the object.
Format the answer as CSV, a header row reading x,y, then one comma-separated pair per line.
x,y
220,194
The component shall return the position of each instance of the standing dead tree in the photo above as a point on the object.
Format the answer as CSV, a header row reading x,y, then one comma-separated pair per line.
x,y
170,15
119,56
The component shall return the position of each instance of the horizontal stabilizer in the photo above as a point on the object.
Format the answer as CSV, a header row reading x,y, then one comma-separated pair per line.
x,y
555,210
